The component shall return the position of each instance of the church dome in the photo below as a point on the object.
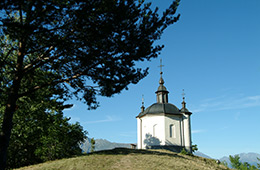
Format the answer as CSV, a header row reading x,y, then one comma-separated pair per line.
x,y
158,108
161,88
162,106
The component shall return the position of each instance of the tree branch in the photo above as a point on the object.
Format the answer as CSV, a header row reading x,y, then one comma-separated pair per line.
x,y
66,80
3,62
41,60
8,53
58,81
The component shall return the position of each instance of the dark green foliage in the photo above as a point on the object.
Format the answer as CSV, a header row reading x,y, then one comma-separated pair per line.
x,y
247,166
73,47
33,141
61,140
96,42
194,148
41,133
235,163
258,165
93,142
184,151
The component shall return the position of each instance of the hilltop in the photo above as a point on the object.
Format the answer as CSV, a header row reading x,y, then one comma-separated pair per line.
x,y
123,158
102,144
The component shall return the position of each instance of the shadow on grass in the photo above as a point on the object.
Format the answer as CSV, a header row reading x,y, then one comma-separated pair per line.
x,y
126,151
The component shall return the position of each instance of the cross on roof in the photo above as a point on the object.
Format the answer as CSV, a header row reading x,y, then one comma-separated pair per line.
x,y
142,100
161,66
183,94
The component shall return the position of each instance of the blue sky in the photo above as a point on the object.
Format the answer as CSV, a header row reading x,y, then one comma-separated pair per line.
x,y
213,52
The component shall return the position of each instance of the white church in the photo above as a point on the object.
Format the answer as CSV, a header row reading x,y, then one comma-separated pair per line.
x,y
162,125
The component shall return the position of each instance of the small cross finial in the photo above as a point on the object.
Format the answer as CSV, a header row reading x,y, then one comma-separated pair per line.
x,y
142,100
183,94
161,66
142,108
183,97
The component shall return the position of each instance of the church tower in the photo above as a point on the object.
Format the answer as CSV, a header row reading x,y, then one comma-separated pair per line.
x,y
162,125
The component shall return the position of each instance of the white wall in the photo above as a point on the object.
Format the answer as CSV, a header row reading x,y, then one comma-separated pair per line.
x,y
158,127
139,137
187,132
176,122
153,125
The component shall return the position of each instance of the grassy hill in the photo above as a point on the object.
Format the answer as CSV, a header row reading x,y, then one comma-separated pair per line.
x,y
122,158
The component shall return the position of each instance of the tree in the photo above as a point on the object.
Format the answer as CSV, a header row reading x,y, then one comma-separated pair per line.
x,y
43,137
40,132
194,148
93,142
234,160
258,165
235,163
84,48
61,139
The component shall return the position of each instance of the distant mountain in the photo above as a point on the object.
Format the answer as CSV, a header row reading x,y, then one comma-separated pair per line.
x,y
251,158
198,153
103,144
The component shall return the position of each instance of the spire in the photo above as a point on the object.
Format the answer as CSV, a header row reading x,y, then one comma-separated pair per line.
x,y
162,93
183,98
142,107
184,109
161,81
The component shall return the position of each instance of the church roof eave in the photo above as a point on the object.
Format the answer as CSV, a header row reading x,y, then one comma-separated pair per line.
x,y
159,108
185,111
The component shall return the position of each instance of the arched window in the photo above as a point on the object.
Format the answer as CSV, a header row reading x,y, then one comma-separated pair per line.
x,y
172,131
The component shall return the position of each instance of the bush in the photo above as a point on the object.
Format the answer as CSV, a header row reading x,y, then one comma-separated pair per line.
x,y
184,151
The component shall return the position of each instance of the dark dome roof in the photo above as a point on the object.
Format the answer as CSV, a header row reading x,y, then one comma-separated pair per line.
x,y
162,88
157,108
186,111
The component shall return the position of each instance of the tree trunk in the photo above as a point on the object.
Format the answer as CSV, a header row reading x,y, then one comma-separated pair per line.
x,y
10,108
8,121
6,132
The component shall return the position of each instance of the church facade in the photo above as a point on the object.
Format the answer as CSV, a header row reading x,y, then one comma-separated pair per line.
x,y
162,125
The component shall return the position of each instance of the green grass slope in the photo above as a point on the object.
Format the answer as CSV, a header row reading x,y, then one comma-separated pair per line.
x,y
122,158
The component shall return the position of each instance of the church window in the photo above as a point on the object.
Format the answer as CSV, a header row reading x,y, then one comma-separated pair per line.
x,y
172,131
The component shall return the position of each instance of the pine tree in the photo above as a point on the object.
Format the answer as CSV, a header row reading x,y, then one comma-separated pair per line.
x,y
84,48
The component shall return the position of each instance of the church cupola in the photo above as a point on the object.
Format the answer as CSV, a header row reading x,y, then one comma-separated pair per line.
x,y
183,98
162,93
184,109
